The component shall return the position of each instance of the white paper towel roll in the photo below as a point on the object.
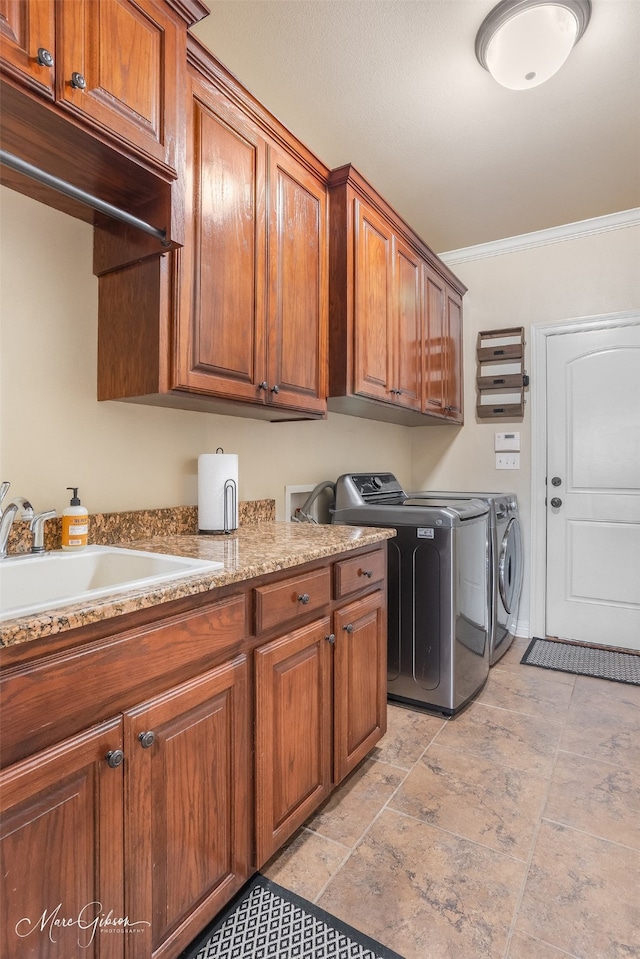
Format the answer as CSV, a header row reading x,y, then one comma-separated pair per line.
x,y
214,471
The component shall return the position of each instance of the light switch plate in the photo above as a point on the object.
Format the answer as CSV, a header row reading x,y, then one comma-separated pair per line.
x,y
507,461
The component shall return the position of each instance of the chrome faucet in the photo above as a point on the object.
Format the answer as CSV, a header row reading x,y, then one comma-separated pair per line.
x,y
37,528
8,515
6,521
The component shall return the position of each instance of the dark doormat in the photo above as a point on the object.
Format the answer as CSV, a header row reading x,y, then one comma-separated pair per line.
x,y
583,660
265,921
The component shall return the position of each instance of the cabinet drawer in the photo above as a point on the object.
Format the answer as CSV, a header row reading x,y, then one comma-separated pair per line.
x,y
359,572
286,601
111,675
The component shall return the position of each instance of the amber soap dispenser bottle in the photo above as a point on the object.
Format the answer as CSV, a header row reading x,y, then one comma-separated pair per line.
x,y
75,523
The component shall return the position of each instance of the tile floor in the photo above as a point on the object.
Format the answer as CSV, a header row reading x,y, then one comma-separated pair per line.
x,y
511,831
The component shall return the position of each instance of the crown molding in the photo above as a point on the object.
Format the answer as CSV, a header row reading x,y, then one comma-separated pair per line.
x,y
556,234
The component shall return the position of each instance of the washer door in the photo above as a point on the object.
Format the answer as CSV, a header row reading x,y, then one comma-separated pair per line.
x,y
510,564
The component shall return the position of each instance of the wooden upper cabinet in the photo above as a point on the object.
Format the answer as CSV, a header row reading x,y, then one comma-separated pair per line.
x,y
379,351
388,313
455,365
408,334
253,275
117,66
27,43
298,286
443,348
373,296
220,343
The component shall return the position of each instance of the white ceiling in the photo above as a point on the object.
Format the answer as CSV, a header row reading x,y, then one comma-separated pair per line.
x,y
393,86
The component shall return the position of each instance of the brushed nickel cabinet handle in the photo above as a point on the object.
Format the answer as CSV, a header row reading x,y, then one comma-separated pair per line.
x,y
115,758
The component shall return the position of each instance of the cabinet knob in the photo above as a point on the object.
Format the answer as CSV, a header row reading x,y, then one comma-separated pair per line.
x,y
263,386
275,389
45,57
348,628
115,758
556,502
331,638
304,598
78,82
366,572
147,739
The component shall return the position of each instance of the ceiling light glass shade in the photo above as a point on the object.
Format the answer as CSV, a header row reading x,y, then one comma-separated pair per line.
x,y
524,42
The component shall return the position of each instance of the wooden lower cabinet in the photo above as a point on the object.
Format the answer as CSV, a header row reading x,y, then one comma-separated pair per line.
x,y
162,838
61,849
187,821
293,732
321,706
192,775
359,681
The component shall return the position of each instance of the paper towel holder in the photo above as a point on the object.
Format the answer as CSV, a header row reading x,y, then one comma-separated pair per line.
x,y
228,522
230,488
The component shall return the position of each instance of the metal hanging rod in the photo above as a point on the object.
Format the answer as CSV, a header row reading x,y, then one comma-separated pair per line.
x,y
68,189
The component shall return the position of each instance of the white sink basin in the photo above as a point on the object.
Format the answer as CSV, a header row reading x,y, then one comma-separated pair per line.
x,y
29,584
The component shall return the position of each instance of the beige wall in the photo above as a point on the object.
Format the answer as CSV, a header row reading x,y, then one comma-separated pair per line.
x,y
584,276
54,433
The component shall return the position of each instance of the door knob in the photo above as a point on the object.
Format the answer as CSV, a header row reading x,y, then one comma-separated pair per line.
x,y
556,481
556,502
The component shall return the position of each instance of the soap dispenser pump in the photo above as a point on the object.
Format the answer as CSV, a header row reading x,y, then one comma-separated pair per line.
x,y
75,523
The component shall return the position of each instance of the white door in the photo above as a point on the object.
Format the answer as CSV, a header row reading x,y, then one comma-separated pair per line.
x,y
593,486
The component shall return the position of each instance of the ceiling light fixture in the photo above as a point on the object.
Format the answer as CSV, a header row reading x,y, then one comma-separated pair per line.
x,y
524,42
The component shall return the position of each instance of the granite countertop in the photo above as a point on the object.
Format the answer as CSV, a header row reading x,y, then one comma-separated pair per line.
x,y
250,551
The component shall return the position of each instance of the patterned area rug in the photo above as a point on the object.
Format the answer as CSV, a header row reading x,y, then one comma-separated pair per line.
x,y
601,663
265,921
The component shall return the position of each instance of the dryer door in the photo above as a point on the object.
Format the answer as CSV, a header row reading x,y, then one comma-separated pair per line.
x,y
510,565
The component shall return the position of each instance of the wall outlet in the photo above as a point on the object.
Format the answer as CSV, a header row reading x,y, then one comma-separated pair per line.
x,y
507,461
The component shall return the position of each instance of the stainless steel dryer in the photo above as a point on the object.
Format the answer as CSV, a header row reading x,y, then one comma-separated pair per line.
x,y
438,605
506,562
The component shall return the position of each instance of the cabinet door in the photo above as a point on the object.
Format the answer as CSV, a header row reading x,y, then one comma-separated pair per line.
x,y
27,26
360,681
436,361
187,805
61,841
407,291
443,348
373,356
293,733
220,342
454,356
297,325
126,53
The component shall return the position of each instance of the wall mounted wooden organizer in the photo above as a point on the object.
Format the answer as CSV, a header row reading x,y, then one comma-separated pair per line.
x,y
501,395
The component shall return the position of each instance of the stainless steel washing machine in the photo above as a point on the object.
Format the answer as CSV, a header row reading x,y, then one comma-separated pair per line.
x,y
438,600
506,559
